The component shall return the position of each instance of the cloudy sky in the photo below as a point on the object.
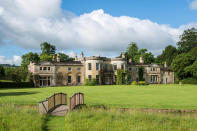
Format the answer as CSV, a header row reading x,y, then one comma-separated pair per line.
x,y
103,27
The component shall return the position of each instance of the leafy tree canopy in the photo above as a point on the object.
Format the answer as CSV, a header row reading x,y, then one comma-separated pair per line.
x,y
167,55
180,63
148,57
2,71
26,58
46,57
132,50
47,48
188,40
64,57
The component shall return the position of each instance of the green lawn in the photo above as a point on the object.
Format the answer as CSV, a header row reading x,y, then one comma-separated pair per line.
x,y
113,97
151,96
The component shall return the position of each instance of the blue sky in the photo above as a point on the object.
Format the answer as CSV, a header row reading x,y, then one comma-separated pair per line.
x,y
172,12
93,26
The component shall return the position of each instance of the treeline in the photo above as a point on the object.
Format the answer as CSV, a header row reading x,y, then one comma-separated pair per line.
x,y
20,74
182,59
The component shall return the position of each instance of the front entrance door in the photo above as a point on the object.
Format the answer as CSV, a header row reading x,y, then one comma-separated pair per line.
x,y
45,81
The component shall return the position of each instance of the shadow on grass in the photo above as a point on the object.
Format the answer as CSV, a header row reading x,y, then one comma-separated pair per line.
x,y
17,93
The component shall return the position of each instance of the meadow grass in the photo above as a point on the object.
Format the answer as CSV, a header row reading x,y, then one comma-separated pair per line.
x,y
24,118
92,119
18,108
124,96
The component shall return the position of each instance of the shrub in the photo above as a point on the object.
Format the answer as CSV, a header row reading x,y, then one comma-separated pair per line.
x,y
138,83
189,81
142,83
90,83
133,83
16,84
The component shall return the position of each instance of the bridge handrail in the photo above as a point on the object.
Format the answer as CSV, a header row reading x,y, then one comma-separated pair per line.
x,y
75,100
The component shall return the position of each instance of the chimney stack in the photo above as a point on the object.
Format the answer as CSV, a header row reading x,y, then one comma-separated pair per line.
x,y
58,57
123,55
82,56
130,60
53,59
76,57
141,60
165,65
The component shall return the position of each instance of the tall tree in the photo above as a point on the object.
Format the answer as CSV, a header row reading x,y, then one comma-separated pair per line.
x,y
46,57
193,51
2,71
188,40
132,50
65,57
26,58
180,63
47,48
148,57
192,69
167,55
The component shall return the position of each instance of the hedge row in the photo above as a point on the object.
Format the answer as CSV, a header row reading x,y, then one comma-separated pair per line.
x,y
16,85
189,81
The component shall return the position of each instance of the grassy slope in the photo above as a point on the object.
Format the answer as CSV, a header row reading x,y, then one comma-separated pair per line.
x,y
152,96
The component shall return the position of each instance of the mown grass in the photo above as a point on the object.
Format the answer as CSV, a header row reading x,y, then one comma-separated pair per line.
x,y
26,118
126,96
92,119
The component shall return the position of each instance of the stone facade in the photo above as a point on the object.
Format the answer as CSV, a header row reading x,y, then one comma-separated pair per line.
x,y
103,69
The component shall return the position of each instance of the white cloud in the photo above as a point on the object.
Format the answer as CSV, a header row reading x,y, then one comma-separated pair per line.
x,y
30,22
193,5
16,60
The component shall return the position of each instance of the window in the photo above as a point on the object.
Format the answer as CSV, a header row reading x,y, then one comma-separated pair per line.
x,y
69,69
136,69
115,67
78,68
78,79
69,79
97,79
89,66
115,78
122,66
130,69
106,67
49,68
97,66
45,81
89,77
49,82
45,68
40,68
154,78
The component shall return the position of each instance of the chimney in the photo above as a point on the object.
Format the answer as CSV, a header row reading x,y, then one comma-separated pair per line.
x,y
141,60
76,57
58,57
165,65
53,59
123,55
130,60
82,56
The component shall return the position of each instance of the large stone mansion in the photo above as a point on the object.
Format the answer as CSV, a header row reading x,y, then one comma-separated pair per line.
x,y
103,69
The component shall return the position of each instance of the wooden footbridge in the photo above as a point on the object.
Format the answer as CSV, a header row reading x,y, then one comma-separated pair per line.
x,y
57,104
